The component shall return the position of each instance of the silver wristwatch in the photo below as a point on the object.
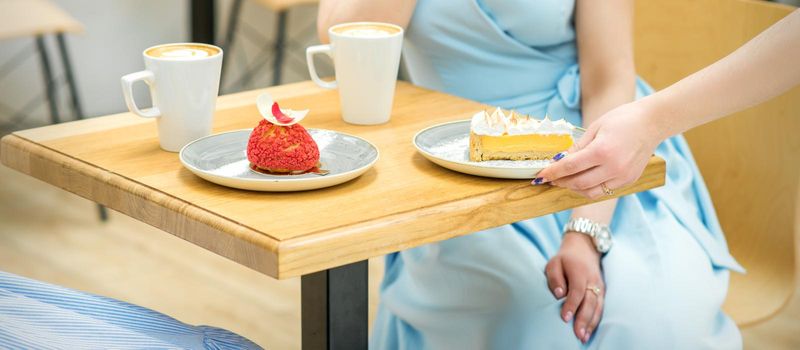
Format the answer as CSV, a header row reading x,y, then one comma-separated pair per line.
x,y
601,234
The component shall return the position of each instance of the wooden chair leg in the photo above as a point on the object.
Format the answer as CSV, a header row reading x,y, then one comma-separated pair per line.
x,y
49,81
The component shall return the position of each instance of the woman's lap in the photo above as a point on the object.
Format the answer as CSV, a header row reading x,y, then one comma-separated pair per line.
x,y
488,290
670,301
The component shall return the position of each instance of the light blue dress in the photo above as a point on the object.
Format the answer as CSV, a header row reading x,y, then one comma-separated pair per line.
x,y
666,276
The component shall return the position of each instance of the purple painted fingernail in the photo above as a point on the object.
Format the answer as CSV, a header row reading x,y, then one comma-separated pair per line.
x,y
537,181
560,155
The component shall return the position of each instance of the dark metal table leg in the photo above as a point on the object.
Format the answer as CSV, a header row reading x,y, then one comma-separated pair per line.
x,y
49,80
202,19
280,46
102,212
335,308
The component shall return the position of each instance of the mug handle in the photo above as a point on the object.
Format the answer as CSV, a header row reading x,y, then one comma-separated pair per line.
x,y
127,91
310,52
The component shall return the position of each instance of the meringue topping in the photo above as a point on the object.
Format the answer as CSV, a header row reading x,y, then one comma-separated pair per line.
x,y
499,123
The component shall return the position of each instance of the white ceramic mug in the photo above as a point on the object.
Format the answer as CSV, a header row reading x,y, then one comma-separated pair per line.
x,y
184,81
366,56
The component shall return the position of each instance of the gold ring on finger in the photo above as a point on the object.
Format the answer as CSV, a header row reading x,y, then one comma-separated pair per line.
x,y
606,190
594,289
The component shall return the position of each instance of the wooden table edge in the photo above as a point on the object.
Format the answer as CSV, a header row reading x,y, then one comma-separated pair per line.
x,y
173,215
300,255
296,256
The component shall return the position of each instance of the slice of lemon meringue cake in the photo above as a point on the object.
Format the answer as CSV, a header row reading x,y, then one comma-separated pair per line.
x,y
498,136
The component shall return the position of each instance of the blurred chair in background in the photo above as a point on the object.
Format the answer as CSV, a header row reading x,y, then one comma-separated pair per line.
x,y
39,19
277,46
751,160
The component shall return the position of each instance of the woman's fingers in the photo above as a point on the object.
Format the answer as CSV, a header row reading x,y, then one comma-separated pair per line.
x,y
575,295
593,193
598,313
585,180
597,191
569,165
574,163
585,315
555,278
587,138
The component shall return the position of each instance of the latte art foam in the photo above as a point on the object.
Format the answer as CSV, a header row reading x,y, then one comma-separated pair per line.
x,y
366,30
182,52
185,53
366,33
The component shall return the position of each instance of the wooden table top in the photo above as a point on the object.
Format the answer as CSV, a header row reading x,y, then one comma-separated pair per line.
x,y
402,202
29,18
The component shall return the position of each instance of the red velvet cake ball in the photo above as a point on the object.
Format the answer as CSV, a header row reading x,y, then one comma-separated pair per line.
x,y
282,149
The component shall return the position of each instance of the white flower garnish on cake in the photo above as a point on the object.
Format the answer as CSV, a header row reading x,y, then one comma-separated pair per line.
x,y
270,110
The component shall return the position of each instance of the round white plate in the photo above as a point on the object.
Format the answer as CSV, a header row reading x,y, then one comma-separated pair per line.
x,y
222,159
448,145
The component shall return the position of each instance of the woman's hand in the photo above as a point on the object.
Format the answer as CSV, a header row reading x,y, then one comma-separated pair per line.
x,y
614,151
571,273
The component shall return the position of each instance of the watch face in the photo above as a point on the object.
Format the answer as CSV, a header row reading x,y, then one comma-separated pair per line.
x,y
602,240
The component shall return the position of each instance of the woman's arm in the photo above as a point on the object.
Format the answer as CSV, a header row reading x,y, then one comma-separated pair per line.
x,y
764,67
616,149
333,12
605,55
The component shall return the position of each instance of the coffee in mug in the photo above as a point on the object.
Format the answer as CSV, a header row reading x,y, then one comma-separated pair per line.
x,y
184,82
366,30
182,51
366,57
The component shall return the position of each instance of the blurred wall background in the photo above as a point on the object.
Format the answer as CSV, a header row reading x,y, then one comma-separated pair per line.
x,y
115,34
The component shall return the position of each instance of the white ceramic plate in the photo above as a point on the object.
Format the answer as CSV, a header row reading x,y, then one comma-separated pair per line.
x,y
448,145
222,159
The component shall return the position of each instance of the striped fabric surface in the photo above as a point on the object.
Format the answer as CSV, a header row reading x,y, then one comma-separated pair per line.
x,y
37,315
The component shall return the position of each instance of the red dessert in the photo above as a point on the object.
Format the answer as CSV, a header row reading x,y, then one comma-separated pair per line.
x,y
282,148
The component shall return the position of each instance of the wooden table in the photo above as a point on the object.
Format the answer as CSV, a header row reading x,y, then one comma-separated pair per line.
x,y
325,236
